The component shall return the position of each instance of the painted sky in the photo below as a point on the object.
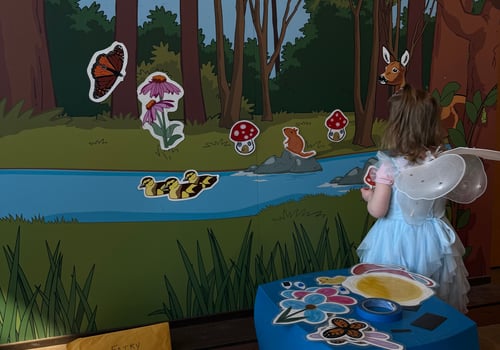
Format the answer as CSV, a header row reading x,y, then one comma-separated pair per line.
x,y
206,16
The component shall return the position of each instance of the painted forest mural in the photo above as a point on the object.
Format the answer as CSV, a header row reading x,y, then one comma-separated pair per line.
x,y
160,159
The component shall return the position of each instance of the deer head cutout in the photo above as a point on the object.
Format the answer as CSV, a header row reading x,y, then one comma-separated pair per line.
x,y
395,71
394,75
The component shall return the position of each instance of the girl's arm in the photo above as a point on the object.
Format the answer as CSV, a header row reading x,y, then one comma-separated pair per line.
x,y
377,199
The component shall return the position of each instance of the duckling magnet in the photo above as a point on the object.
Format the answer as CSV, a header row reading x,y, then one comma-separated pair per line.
x,y
189,187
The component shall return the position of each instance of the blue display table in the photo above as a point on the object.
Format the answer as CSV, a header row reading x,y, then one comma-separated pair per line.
x,y
333,319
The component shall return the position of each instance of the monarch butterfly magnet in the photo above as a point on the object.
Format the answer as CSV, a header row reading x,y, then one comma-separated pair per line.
x,y
106,70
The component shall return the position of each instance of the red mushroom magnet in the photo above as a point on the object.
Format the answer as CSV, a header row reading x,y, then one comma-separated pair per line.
x,y
371,174
243,134
336,123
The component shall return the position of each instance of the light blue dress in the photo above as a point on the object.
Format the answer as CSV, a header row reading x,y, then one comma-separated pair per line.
x,y
417,236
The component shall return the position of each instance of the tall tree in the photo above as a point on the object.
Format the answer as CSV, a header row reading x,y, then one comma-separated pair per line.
x,y
124,101
230,95
481,49
24,59
449,54
194,105
274,18
260,19
414,36
383,92
480,31
364,111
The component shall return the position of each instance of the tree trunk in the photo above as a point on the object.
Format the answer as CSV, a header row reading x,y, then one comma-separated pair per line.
x,y
24,59
449,57
480,35
221,65
236,92
382,92
416,13
364,112
274,19
266,65
194,105
124,101
230,95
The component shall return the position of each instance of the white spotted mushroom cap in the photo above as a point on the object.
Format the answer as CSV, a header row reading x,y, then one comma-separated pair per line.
x,y
243,130
336,120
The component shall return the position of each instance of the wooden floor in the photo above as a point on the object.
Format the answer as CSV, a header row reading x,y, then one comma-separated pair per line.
x,y
236,331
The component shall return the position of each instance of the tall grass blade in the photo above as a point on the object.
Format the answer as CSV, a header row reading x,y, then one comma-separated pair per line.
x,y
193,280
83,294
243,279
7,332
174,304
288,269
311,255
346,247
221,270
26,321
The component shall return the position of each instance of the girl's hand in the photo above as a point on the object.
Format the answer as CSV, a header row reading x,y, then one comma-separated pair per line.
x,y
367,193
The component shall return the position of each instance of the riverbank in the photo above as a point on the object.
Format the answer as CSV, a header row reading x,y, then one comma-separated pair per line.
x,y
121,144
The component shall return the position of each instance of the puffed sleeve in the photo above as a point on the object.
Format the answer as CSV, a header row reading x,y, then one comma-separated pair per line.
x,y
385,171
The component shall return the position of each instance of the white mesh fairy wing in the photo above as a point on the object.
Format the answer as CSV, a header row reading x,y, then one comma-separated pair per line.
x,y
475,180
473,183
479,152
414,210
432,179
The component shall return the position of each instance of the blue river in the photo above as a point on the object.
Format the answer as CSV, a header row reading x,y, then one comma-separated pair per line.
x,y
114,196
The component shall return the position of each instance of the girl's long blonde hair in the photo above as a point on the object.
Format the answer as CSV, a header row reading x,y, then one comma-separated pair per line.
x,y
414,125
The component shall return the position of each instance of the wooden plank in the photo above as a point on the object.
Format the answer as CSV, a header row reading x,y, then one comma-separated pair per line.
x,y
220,334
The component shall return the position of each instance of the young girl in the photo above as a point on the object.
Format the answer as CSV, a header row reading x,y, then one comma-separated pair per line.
x,y
425,244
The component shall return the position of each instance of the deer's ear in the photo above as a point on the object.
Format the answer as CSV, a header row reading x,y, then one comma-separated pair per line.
x,y
405,58
386,55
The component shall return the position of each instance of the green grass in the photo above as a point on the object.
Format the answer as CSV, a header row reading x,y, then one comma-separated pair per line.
x,y
54,141
231,285
159,270
33,311
139,268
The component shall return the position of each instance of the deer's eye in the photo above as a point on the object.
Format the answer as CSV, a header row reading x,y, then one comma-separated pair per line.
x,y
395,70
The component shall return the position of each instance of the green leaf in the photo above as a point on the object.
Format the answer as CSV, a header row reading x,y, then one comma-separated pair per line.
x,y
457,138
171,128
448,92
172,140
460,127
435,95
157,129
286,317
477,99
471,110
492,97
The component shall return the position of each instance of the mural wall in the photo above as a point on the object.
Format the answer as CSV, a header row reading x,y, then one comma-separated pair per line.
x,y
161,159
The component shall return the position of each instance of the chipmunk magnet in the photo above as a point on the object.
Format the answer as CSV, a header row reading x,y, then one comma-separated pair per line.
x,y
295,143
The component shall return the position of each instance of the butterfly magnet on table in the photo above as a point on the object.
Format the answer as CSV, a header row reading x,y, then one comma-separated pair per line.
x,y
106,70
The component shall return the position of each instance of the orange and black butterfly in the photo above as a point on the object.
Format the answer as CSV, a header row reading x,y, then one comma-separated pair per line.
x,y
106,70
343,327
